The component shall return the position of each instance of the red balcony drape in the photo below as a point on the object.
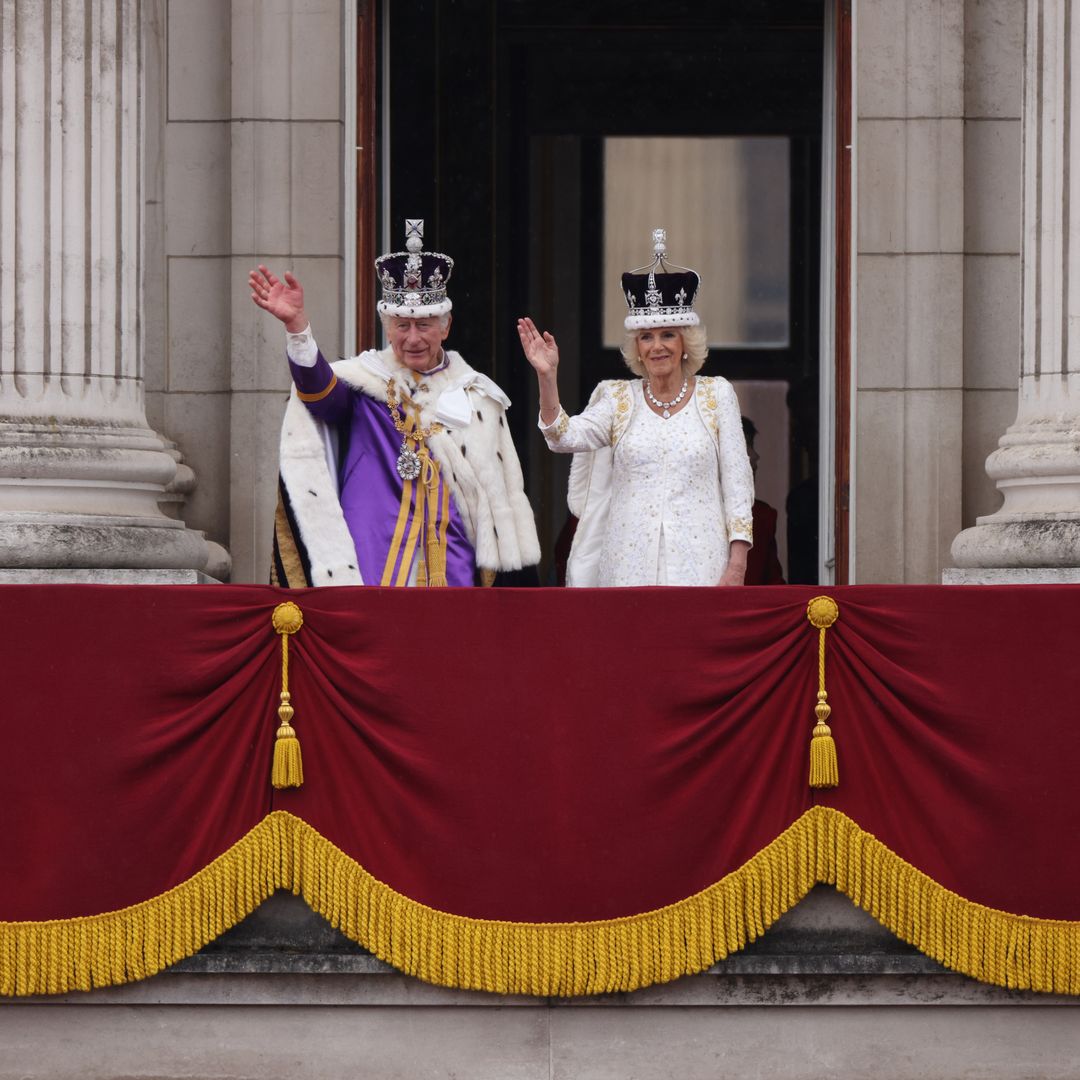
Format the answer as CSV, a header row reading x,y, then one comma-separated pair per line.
x,y
544,791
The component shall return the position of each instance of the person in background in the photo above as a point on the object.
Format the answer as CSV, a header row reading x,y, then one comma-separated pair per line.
x,y
763,563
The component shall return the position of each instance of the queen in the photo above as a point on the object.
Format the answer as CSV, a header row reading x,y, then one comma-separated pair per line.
x,y
661,482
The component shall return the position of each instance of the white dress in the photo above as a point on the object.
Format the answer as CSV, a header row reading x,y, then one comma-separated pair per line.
x,y
659,500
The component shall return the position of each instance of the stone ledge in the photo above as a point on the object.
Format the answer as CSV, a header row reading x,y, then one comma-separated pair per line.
x,y
93,576
1030,575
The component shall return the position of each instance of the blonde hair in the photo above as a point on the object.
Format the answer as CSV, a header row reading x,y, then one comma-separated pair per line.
x,y
695,344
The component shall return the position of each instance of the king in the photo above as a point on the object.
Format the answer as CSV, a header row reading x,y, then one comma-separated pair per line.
x,y
396,466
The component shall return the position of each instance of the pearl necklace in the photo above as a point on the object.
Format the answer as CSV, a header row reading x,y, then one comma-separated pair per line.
x,y
666,406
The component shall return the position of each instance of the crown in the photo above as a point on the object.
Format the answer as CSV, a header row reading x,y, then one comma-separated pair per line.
x,y
414,281
659,296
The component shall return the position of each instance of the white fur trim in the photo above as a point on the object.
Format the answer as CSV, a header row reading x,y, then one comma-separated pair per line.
x,y
645,322
416,311
477,459
310,476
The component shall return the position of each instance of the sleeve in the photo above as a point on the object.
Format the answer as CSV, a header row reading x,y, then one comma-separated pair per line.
x,y
589,430
736,476
317,386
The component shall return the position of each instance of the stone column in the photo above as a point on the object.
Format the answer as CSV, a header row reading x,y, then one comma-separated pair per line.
x,y
81,472
1037,463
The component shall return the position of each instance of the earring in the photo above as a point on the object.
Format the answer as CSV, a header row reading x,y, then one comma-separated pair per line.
x,y
684,356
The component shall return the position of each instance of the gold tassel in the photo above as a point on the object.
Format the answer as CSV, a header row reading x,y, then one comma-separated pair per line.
x,y
822,612
288,769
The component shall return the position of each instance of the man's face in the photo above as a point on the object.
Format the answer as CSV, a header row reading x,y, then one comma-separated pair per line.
x,y
417,343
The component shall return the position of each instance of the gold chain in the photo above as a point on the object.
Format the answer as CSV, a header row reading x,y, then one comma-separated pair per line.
x,y
419,434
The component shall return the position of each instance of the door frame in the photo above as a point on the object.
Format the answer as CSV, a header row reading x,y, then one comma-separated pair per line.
x,y
366,145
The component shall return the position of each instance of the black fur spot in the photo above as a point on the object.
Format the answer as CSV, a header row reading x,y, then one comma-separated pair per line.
x,y
315,493
329,573
498,454
351,567
463,450
500,420
479,417
495,531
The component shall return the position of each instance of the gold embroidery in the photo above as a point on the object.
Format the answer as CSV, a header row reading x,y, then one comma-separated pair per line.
x,y
741,529
621,390
708,404
287,551
321,394
562,424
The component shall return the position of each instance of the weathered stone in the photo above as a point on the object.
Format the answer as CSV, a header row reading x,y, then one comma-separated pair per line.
x,y
88,576
1036,466
1042,575
81,472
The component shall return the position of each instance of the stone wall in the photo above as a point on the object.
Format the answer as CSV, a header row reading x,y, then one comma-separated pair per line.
x,y
244,165
909,105
938,93
994,68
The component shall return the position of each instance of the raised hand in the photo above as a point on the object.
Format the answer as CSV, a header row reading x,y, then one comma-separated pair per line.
x,y
540,349
283,299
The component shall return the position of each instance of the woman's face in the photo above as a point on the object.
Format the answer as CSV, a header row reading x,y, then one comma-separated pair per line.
x,y
660,350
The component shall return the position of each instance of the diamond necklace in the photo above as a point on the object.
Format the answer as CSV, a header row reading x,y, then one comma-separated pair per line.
x,y
666,406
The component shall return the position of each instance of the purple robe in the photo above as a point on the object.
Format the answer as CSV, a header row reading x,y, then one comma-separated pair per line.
x,y
369,486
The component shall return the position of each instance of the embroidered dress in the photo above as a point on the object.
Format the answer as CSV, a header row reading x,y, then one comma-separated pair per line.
x,y
679,490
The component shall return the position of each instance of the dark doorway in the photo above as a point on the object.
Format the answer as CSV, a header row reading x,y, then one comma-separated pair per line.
x,y
540,141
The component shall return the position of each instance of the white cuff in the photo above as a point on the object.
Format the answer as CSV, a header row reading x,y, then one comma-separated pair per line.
x,y
301,348
557,428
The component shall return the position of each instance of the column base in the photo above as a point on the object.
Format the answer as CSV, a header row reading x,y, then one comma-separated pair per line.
x,y
98,542
90,576
1000,575
1050,542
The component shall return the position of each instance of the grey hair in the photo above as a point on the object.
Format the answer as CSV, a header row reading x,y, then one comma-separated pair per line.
x,y
444,319
695,342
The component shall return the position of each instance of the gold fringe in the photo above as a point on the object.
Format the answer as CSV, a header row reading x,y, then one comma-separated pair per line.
x,y
135,942
543,959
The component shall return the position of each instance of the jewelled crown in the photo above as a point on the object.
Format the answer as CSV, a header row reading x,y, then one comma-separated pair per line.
x,y
414,281
658,295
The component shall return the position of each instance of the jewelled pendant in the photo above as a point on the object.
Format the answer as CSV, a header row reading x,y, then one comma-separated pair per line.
x,y
666,414
408,463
